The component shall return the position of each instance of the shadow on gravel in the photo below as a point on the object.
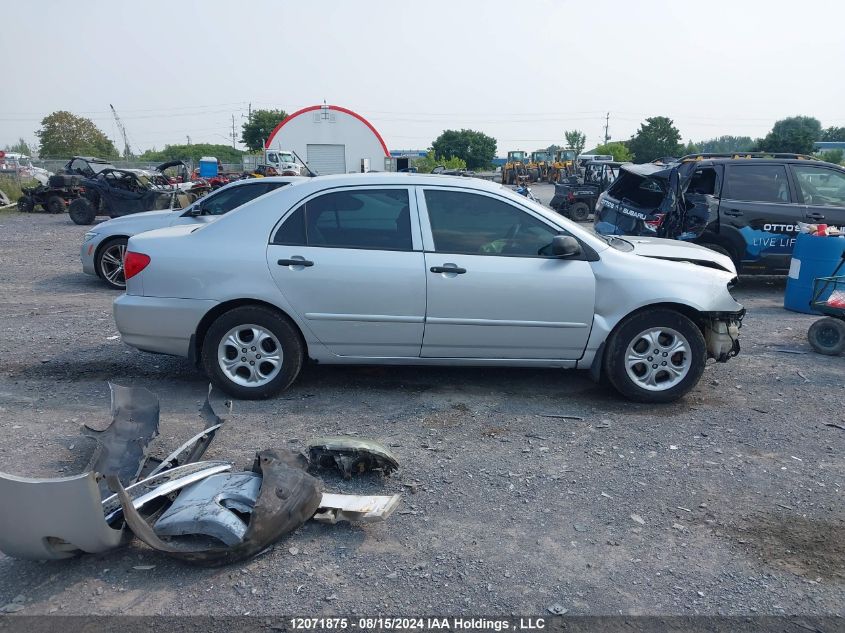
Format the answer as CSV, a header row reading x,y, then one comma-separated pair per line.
x,y
512,380
65,367
73,283
805,546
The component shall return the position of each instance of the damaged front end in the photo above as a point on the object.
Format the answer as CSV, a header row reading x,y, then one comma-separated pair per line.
x,y
721,334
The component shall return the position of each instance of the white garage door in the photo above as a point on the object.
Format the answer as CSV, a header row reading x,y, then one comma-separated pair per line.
x,y
327,159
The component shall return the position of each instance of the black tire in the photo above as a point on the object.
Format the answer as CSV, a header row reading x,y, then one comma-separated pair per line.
x,y
292,348
26,204
627,333
55,204
827,336
81,211
107,269
579,211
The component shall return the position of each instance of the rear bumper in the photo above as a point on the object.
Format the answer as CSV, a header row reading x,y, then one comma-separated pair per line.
x,y
159,324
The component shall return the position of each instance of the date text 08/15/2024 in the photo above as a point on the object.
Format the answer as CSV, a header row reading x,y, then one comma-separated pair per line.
x,y
417,624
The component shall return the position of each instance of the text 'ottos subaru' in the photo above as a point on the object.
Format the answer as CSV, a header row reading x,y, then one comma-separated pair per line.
x,y
424,270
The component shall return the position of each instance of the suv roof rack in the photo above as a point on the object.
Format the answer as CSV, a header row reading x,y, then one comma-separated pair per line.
x,y
707,155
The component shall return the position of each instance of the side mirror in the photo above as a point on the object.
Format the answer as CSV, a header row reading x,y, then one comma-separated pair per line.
x,y
564,246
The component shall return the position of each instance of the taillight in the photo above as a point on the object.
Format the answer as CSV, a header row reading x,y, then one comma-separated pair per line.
x,y
133,263
656,221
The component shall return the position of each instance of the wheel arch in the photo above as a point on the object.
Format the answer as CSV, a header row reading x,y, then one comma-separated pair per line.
x,y
100,247
693,314
198,338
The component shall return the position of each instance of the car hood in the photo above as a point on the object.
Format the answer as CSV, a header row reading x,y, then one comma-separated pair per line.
x,y
143,221
675,250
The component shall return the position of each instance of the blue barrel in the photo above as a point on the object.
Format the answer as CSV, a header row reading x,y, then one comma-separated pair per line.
x,y
812,257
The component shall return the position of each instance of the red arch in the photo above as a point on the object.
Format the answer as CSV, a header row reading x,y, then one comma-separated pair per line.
x,y
331,107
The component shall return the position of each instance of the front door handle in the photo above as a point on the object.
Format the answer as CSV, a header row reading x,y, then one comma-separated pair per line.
x,y
734,212
815,215
448,269
295,262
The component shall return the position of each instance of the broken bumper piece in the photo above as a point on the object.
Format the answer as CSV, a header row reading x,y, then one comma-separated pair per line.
x,y
287,498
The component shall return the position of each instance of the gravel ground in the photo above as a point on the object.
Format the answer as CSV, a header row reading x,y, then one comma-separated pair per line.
x,y
728,502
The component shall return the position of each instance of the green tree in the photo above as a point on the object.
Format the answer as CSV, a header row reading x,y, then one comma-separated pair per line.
x,y
832,156
476,149
794,134
619,151
656,138
63,134
575,139
259,126
726,144
430,161
193,153
833,134
21,147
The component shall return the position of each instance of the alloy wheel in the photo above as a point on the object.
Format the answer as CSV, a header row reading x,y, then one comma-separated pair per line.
x,y
111,264
658,358
250,355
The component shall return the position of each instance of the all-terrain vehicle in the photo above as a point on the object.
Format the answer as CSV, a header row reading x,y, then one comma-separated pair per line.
x,y
59,190
575,198
117,192
54,197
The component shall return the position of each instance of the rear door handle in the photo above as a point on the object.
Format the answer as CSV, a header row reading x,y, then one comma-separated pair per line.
x,y
734,212
295,262
448,269
815,215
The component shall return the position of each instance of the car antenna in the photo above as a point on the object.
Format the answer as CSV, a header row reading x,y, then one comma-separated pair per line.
x,y
310,171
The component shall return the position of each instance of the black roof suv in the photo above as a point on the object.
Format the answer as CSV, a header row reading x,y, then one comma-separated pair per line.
x,y
745,205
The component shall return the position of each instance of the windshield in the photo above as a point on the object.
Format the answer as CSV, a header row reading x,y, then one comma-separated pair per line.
x,y
284,157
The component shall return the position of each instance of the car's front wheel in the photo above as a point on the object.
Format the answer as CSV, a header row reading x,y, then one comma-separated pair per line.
x,y
110,262
252,352
656,355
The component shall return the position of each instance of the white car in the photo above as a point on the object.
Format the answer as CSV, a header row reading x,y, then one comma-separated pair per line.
x,y
424,270
104,245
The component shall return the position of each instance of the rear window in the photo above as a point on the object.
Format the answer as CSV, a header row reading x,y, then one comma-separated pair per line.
x,y
758,183
637,190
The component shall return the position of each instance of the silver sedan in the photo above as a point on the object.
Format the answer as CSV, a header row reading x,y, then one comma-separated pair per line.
x,y
424,270
104,245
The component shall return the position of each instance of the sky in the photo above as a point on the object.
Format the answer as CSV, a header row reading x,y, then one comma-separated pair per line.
x,y
522,72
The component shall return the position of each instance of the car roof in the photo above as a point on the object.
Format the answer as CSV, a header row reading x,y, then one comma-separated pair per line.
x,y
397,178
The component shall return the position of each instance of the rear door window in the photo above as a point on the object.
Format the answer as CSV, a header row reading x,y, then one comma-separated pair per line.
x,y
758,183
375,219
820,186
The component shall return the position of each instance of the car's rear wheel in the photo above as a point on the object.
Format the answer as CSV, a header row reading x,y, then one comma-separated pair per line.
x,y
579,211
110,262
656,355
81,211
55,204
252,352
827,336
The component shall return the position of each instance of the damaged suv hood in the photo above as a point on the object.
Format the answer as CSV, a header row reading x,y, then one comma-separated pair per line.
x,y
675,250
